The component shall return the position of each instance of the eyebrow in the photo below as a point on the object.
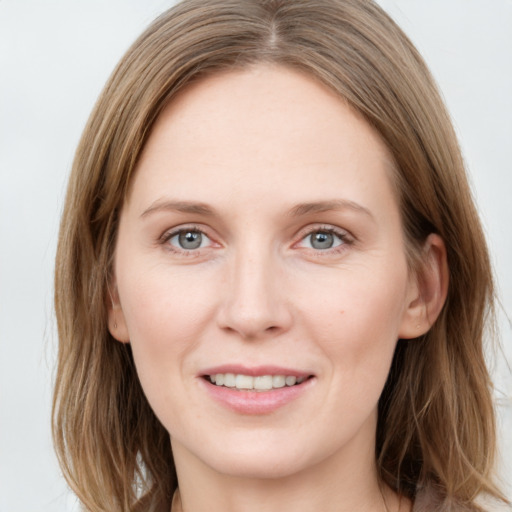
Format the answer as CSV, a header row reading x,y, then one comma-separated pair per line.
x,y
297,211
326,206
178,206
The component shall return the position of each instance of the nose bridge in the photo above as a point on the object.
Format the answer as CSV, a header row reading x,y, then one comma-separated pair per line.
x,y
254,305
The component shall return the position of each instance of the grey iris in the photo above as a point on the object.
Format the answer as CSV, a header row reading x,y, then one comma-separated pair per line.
x,y
322,240
190,239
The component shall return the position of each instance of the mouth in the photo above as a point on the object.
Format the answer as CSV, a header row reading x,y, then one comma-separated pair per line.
x,y
242,382
257,390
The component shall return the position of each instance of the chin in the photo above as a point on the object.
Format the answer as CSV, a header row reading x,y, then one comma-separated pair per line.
x,y
259,468
260,460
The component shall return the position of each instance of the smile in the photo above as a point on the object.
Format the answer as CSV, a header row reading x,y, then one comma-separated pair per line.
x,y
255,390
256,383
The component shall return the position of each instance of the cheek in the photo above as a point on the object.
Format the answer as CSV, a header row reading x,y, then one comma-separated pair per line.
x,y
161,299
165,311
356,321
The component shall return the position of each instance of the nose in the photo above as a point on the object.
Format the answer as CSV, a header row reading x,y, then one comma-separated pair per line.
x,y
254,302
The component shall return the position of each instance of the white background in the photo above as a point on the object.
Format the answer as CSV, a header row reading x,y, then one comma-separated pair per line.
x,y
55,56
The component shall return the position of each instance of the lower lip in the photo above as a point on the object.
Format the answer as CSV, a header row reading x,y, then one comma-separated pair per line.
x,y
256,402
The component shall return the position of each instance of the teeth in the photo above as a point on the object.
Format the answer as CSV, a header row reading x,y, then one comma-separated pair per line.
x,y
278,381
259,383
263,383
290,381
244,382
229,380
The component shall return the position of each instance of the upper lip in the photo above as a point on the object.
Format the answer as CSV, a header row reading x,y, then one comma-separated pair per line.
x,y
254,371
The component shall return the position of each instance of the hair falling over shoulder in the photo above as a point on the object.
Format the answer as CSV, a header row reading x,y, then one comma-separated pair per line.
x,y
436,426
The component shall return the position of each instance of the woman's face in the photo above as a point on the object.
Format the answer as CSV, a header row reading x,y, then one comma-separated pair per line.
x,y
261,247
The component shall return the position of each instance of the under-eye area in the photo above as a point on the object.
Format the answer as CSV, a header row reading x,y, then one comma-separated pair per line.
x,y
255,383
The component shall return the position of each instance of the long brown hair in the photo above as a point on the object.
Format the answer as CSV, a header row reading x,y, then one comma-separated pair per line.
x,y
436,425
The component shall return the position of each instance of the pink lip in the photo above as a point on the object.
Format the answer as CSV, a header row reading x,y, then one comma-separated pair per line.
x,y
254,402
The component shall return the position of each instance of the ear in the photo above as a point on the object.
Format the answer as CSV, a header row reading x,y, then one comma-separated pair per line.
x,y
116,320
428,291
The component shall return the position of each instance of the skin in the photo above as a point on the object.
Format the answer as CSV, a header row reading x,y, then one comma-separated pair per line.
x,y
251,146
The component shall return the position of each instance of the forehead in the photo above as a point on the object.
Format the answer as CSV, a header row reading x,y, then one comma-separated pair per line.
x,y
267,126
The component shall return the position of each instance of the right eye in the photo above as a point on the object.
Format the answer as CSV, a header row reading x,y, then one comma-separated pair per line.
x,y
323,240
188,240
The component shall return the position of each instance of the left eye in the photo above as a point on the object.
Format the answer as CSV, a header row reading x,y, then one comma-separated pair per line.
x,y
189,239
322,240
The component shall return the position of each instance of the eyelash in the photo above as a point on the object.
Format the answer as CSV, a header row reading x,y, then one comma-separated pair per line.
x,y
345,240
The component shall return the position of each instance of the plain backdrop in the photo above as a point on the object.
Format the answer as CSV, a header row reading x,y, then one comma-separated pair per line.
x,y
55,56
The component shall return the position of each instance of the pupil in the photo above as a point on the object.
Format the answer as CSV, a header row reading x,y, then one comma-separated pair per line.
x,y
190,239
322,240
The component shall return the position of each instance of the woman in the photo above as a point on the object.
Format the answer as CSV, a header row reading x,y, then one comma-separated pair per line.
x,y
271,281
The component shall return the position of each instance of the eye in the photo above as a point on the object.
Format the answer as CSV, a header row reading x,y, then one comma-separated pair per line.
x,y
188,239
324,239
